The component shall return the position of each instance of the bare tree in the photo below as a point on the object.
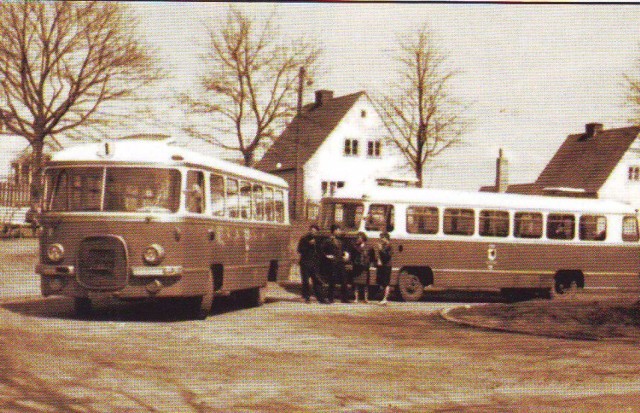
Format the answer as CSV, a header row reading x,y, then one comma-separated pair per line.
x,y
60,63
633,94
249,89
418,113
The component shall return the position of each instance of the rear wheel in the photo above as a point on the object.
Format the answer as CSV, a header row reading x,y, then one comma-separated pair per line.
x,y
82,306
411,287
253,297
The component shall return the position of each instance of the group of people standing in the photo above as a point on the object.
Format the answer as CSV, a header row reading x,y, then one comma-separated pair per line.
x,y
339,261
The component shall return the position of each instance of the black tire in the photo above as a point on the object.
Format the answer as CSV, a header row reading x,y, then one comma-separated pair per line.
x,y
196,308
82,306
253,297
545,293
410,286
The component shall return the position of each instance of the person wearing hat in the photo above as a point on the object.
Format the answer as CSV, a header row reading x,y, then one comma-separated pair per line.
x,y
310,263
334,251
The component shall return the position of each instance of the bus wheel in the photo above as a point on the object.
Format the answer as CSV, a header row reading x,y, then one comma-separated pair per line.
x,y
253,297
259,296
411,288
202,307
82,306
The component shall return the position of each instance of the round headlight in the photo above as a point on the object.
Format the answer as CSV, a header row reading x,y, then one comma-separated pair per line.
x,y
153,254
55,253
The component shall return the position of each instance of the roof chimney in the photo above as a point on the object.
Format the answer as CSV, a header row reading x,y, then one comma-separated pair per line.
x,y
322,96
502,172
591,130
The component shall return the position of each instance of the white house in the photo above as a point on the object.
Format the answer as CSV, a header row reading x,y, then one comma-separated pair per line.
x,y
597,163
334,142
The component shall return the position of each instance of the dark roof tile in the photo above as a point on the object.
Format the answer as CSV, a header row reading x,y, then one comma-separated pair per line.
x,y
587,163
311,127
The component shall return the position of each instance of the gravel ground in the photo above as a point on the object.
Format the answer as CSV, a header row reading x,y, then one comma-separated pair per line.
x,y
288,356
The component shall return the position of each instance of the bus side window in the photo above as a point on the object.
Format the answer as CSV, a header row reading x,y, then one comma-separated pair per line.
x,y
245,200
233,201
494,223
560,226
630,229
217,195
195,192
279,206
422,220
593,228
380,218
258,202
269,208
527,225
459,221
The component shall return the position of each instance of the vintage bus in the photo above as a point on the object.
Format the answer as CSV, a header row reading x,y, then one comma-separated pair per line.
x,y
521,245
143,218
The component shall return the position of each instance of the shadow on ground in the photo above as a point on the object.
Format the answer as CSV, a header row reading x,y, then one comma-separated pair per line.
x,y
375,293
167,310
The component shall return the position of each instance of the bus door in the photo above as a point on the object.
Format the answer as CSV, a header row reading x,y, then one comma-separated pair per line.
x,y
381,217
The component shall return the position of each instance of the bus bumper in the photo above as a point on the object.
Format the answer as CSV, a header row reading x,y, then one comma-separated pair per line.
x,y
144,281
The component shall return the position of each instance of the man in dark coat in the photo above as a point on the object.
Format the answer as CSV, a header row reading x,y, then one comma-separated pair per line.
x,y
310,263
335,253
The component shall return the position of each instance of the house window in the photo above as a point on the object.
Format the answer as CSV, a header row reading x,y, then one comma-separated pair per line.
x,y
329,187
634,173
351,147
363,113
373,149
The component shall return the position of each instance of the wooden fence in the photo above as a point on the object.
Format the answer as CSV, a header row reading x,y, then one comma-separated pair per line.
x,y
13,195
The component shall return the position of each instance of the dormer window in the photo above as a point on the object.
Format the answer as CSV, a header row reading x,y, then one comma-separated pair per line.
x,y
373,148
351,147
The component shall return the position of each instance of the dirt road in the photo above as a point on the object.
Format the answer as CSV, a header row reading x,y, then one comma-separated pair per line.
x,y
291,356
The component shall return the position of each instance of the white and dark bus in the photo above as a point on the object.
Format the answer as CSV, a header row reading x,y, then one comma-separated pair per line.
x,y
142,218
521,245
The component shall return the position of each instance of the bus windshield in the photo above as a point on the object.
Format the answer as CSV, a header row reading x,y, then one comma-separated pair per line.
x,y
347,215
127,189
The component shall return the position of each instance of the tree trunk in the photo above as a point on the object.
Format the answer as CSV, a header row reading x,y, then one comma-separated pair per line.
x,y
36,170
417,168
248,158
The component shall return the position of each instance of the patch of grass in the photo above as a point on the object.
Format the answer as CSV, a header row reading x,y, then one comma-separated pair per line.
x,y
583,317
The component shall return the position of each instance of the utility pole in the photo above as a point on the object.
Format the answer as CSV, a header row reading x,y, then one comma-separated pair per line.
x,y
297,202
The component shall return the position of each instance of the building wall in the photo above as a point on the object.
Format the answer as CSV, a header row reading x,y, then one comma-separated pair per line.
x,y
618,186
329,163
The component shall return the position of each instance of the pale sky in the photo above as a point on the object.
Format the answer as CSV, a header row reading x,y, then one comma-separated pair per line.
x,y
535,73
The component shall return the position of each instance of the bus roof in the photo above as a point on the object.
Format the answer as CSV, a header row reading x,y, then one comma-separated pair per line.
x,y
145,151
456,198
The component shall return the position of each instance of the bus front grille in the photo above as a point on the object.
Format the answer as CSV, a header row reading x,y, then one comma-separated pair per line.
x,y
102,263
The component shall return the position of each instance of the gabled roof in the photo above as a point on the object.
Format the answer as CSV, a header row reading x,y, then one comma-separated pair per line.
x,y
585,162
311,127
